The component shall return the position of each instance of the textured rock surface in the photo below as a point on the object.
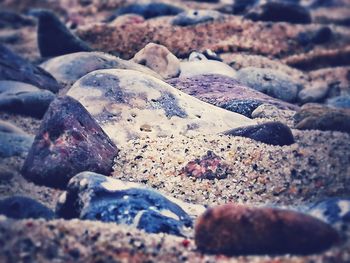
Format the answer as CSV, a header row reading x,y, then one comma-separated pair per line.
x,y
12,144
69,141
135,105
234,229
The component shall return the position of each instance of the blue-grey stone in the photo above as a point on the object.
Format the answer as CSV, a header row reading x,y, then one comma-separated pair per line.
x,y
14,144
340,102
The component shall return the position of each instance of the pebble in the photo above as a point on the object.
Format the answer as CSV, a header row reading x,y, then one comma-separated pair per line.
x,y
341,102
233,229
204,67
316,93
12,144
69,141
92,196
9,19
194,17
8,127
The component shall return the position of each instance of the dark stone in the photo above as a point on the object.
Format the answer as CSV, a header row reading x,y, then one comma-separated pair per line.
x,y
274,133
20,207
241,6
13,67
12,144
240,230
244,107
22,98
193,17
9,19
148,10
54,38
320,36
69,141
280,12
92,196
342,102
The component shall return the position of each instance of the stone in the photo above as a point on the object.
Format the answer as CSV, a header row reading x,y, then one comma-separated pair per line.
x,y
25,99
69,141
54,38
342,102
273,113
280,12
233,229
320,36
274,133
272,82
241,6
316,93
20,207
9,19
204,67
148,10
129,105
207,54
226,93
12,144
320,117
13,67
193,17
92,196
209,166
332,210
67,69
8,127
159,59
6,173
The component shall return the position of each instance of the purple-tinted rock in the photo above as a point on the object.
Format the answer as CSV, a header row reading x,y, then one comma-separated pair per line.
x,y
226,93
13,67
69,141
274,133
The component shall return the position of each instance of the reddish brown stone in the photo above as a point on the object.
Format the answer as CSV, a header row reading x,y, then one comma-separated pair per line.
x,y
235,229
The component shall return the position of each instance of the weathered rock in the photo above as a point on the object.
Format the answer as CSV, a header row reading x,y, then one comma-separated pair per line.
x,y
93,196
319,117
274,133
235,229
135,105
12,144
315,93
54,38
193,17
13,67
25,99
20,207
272,82
69,141
159,59
226,93
340,102
148,10
280,12
273,113
71,67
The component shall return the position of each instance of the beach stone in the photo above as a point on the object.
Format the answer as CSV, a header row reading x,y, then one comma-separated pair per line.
x,y
280,12
273,113
193,17
23,98
69,68
159,59
315,93
9,19
241,6
69,141
320,36
21,207
203,67
274,133
12,144
320,117
13,67
8,127
92,196
272,82
6,173
233,229
226,93
332,210
129,104
342,102
207,54
54,38
148,10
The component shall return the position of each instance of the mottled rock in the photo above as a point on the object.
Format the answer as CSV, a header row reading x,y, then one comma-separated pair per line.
x,y
272,82
69,141
274,133
202,67
128,104
25,99
236,230
315,93
148,10
71,67
54,38
13,67
320,117
273,113
20,207
193,17
226,93
340,102
159,59
12,144
280,12
92,196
